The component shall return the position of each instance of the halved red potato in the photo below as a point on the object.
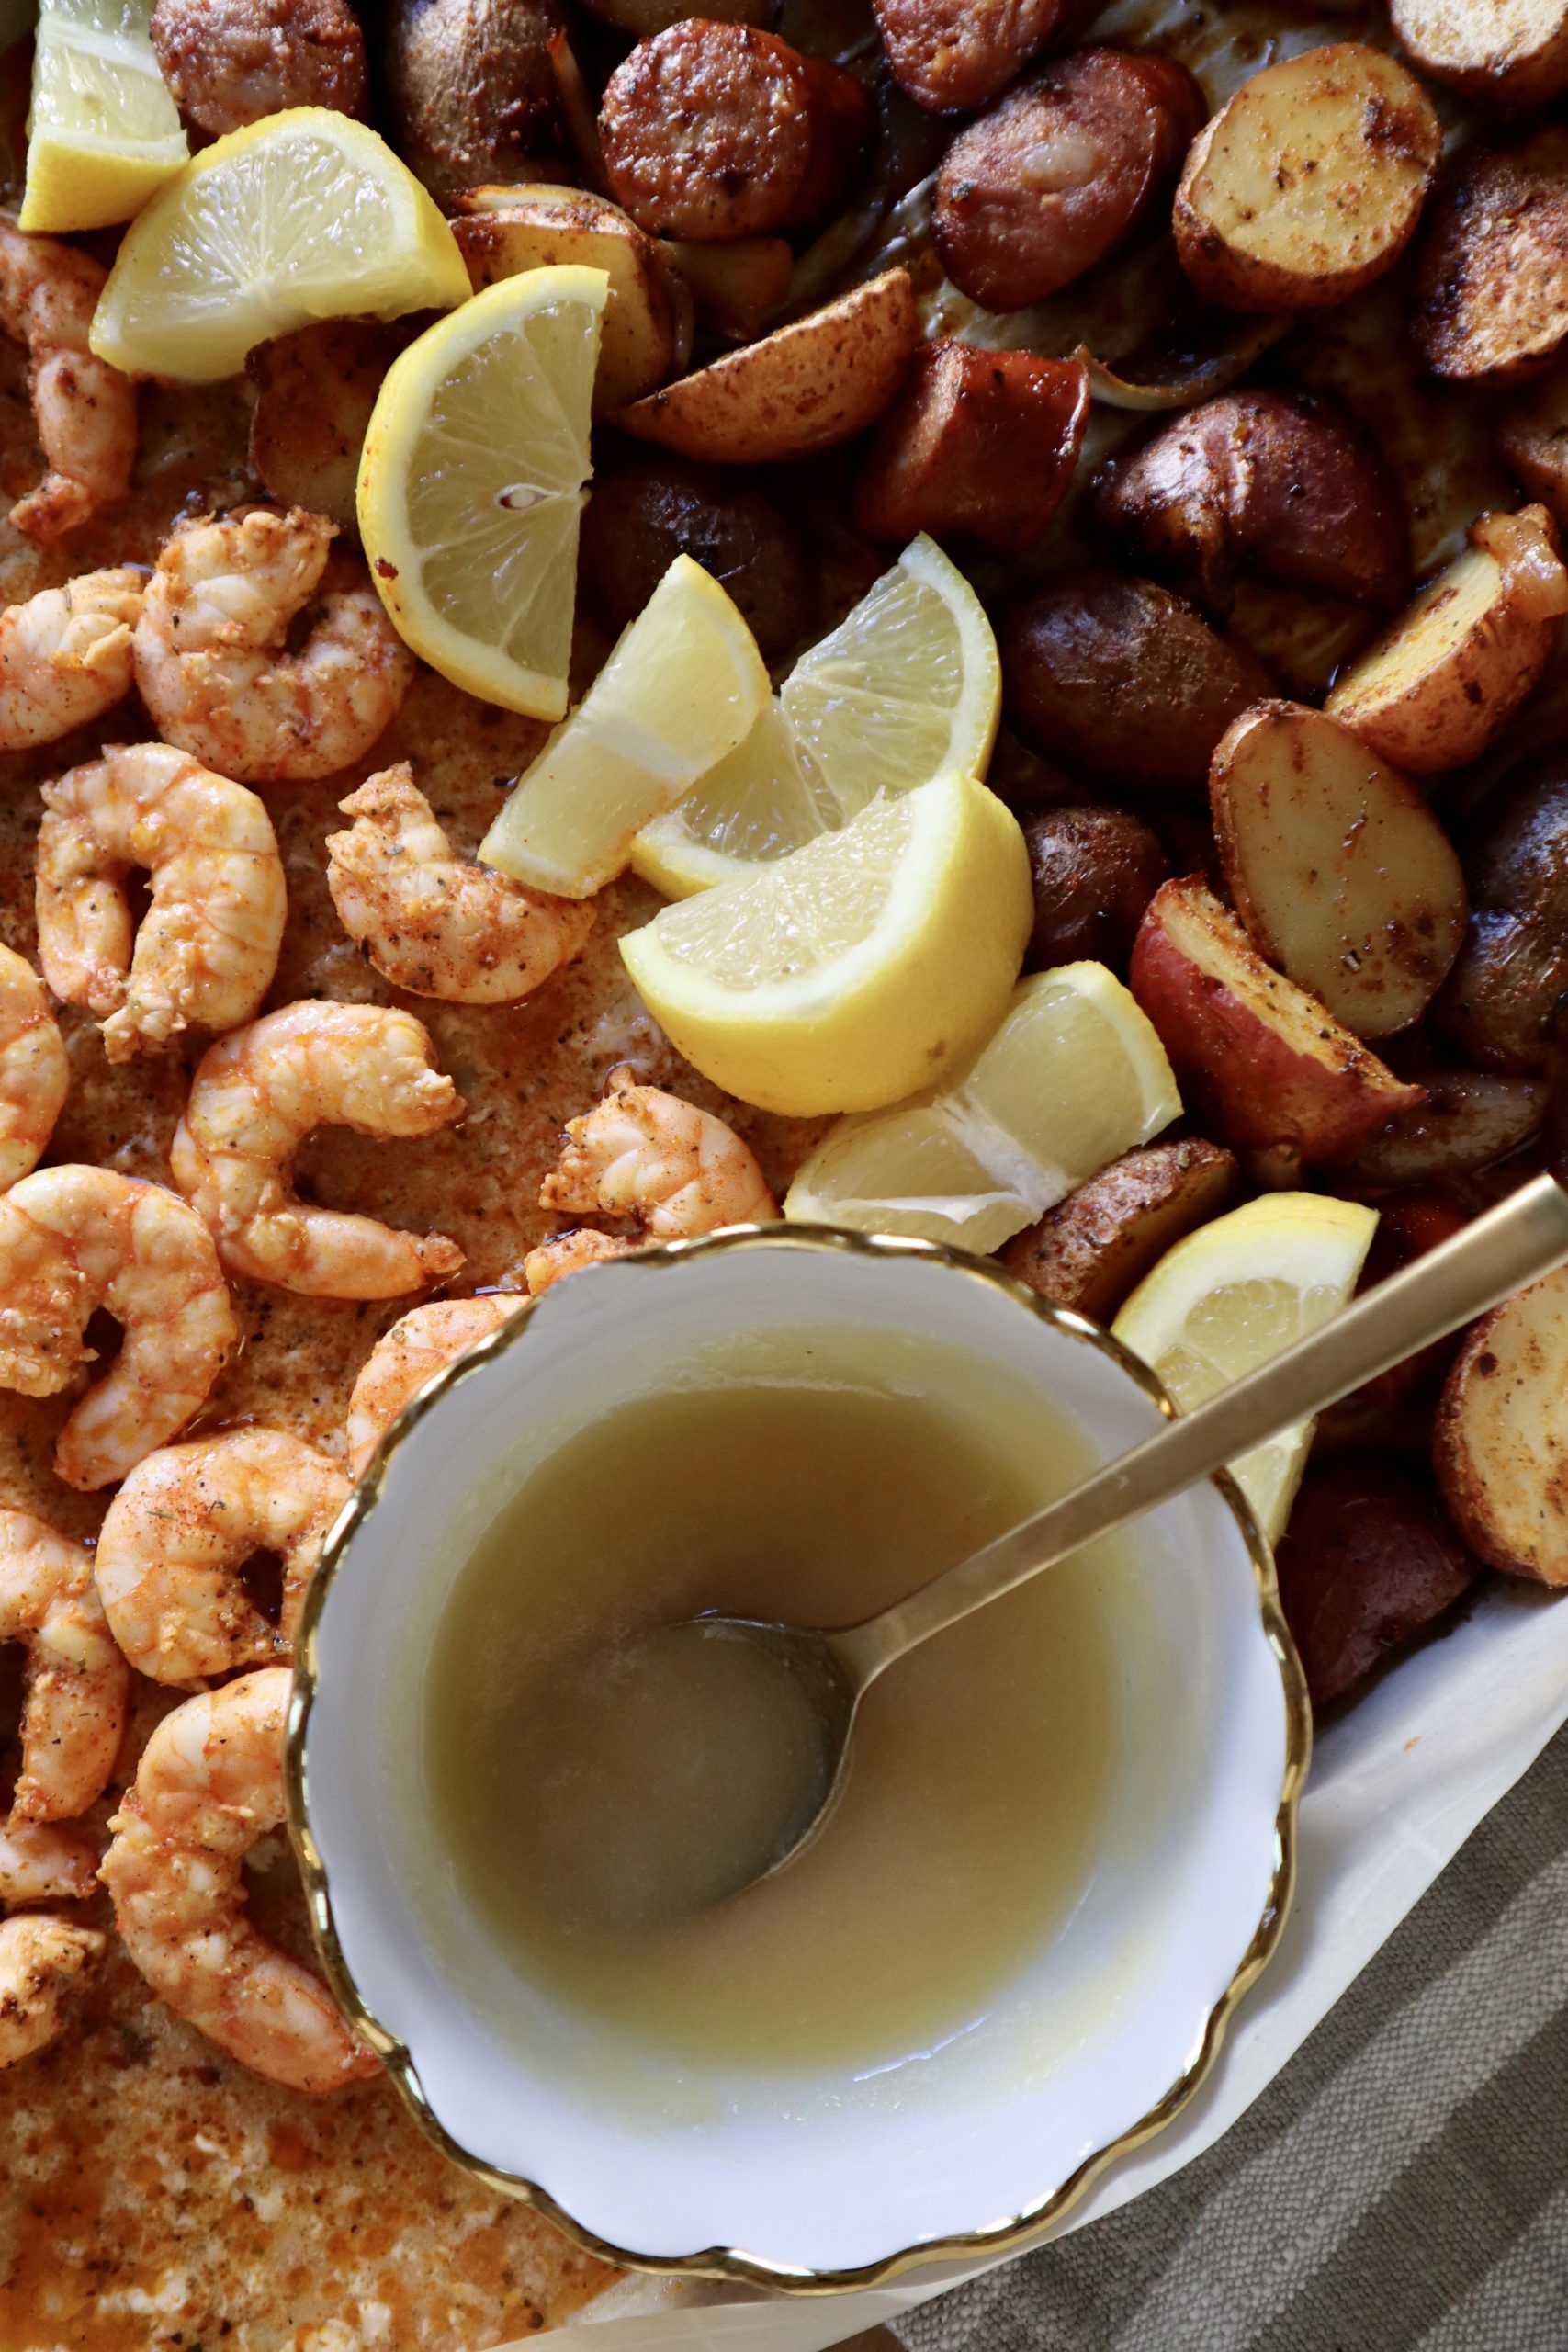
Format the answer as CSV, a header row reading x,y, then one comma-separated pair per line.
x,y
1449,674
1492,274
1270,1060
1515,50
1499,1005
1092,1250
821,379
1309,182
1500,1442
1341,871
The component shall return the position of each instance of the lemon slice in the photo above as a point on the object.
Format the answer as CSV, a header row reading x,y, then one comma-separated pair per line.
x,y
1075,1076
1238,1292
753,807
471,485
104,133
304,215
681,688
843,976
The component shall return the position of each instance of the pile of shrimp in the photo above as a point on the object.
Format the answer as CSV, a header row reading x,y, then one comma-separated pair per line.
x,y
260,654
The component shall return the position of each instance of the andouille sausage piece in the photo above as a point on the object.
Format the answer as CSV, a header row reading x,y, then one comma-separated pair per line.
x,y
954,54
978,446
648,506
1055,174
228,63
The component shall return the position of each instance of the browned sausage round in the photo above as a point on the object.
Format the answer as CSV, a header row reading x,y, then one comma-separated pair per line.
x,y
1053,176
647,508
642,18
951,55
978,446
719,130
1094,871
230,61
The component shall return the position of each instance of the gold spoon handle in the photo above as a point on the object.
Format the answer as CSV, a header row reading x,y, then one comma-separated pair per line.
x,y
1512,1245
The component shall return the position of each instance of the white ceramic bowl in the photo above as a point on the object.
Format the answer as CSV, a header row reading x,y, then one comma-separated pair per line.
x,y
815,2180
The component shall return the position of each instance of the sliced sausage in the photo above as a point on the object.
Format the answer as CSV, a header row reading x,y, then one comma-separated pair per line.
x,y
1094,872
649,507
1092,1251
978,446
954,54
643,17
1492,274
228,63
1055,174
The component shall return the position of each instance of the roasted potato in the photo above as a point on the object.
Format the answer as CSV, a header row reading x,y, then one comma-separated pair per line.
x,y
1534,442
648,506
1308,183
1500,1442
228,63
1517,54
1437,687
1092,1251
1367,1563
314,394
1124,679
472,92
1492,272
1266,1062
1500,1002
1289,485
1469,1119
1343,877
821,379
646,332
978,447
1094,870
733,286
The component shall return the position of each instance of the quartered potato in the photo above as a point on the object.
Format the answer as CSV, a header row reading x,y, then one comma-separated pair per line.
x,y
1500,1446
1341,871
1492,274
1513,51
1093,1249
1309,183
1433,692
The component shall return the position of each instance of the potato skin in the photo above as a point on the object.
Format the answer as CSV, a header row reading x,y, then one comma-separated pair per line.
x,y
1469,1119
1124,679
1467,47
1500,1002
1492,270
1534,442
1367,1562
472,93
1092,1251
1094,871
1500,1440
978,446
228,63
646,507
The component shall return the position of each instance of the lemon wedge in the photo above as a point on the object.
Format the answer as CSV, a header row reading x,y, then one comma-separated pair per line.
x,y
304,215
907,685
681,688
1238,1292
1074,1076
850,972
471,485
104,133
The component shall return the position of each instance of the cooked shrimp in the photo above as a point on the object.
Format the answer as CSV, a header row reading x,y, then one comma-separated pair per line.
x,y
181,1529
73,1238
436,924
38,1958
214,668
411,1352
42,1863
65,656
562,1255
207,945
256,1096
77,1683
84,409
210,1784
645,1154
35,1076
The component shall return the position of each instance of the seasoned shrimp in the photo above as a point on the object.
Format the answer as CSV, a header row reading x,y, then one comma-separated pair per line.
x,y
181,1529
207,945
411,1352
84,409
42,1863
210,1784
39,1956
643,1153
217,673
35,1076
65,656
436,924
73,1238
77,1685
565,1253
257,1095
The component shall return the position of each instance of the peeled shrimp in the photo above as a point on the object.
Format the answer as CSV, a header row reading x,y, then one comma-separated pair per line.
x,y
210,1784
39,1956
35,1076
411,1352
207,945
73,1238
257,1095
214,668
436,924
42,1863
84,409
182,1527
77,1683
645,1154
565,1253
65,656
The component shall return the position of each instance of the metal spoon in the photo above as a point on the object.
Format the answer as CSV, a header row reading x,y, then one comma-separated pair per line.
x,y
1512,1245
